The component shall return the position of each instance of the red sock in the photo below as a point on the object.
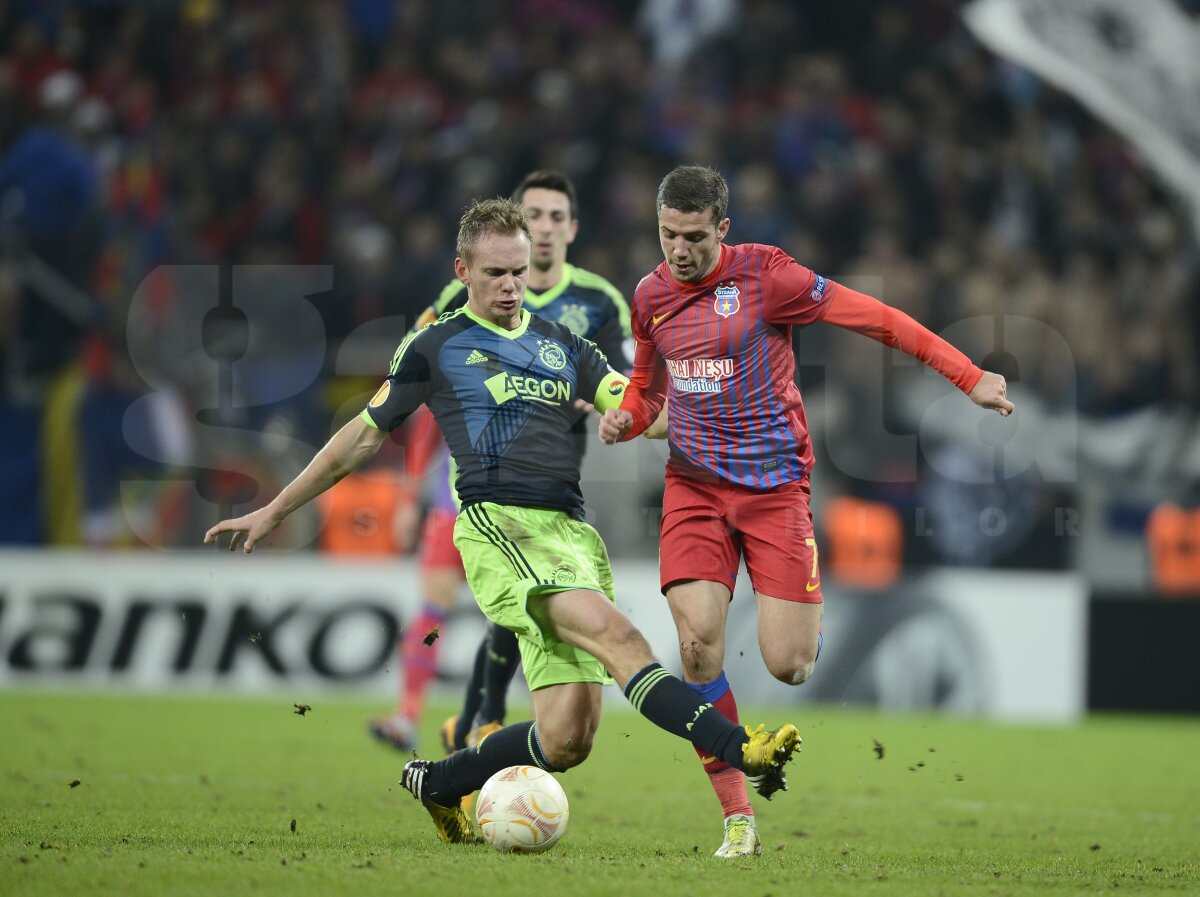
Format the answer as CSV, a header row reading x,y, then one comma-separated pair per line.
x,y
419,660
730,787
727,783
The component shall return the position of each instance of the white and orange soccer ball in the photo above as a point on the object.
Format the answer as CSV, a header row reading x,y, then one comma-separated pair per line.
x,y
522,809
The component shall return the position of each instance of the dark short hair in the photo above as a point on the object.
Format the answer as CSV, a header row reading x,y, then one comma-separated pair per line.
x,y
489,216
695,188
548,179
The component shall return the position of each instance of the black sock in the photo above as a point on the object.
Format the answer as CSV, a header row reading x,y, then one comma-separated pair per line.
x,y
670,704
473,697
465,771
498,672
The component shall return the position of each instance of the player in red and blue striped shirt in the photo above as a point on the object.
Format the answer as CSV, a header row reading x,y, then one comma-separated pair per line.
x,y
713,325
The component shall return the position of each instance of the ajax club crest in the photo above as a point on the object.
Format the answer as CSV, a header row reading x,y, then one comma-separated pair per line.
x,y
727,302
552,355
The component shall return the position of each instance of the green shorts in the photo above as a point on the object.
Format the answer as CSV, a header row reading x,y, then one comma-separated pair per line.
x,y
513,556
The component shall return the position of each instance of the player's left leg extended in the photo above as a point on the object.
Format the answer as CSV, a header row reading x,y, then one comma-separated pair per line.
x,y
596,626
565,631
586,621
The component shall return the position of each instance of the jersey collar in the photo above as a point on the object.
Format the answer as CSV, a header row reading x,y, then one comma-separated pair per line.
x,y
540,300
496,328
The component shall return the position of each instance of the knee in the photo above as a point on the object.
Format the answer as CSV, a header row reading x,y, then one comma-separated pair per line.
x,y
701,654
568,743
569,754
804,673
690,648
694,653
794,669
697,641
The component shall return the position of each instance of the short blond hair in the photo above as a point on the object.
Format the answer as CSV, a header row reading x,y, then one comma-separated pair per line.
x,y
489,216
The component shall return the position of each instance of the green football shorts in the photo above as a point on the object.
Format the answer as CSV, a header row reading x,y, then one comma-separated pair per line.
x,y
513,556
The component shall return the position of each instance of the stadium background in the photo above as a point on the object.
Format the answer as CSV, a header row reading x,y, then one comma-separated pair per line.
x,y
218,218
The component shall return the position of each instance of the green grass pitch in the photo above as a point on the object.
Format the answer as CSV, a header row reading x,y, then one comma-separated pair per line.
x,y
197,796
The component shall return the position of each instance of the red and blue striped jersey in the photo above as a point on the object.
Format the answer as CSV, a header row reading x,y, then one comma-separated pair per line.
x,y
720,351
735,410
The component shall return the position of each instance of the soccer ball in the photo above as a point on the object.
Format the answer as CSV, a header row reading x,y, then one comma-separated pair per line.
x,y
522,809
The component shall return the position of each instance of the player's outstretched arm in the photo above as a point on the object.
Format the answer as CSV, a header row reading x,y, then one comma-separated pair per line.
x,y
992,392
347,449
892,327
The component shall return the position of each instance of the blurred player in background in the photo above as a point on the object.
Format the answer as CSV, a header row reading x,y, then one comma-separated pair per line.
x,y
712,325
502,385
587,305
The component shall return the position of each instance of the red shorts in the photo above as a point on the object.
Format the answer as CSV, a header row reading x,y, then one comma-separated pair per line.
x,y
708,526
437,541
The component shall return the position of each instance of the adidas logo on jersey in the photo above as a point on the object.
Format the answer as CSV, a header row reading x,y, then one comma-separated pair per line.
x,y
477,357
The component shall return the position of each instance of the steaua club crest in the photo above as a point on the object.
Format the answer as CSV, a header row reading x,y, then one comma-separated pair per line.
x,y
727,302
552,355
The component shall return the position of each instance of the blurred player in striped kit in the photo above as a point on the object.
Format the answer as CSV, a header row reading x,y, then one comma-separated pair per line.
x,y
712,326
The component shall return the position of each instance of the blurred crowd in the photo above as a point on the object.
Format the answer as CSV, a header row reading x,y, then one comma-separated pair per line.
x,y
149,152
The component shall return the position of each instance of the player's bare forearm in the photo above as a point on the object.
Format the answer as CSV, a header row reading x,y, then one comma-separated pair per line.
x,y
992,392
347,449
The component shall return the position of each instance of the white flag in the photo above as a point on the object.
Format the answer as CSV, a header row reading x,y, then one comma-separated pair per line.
x,y
1134,63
